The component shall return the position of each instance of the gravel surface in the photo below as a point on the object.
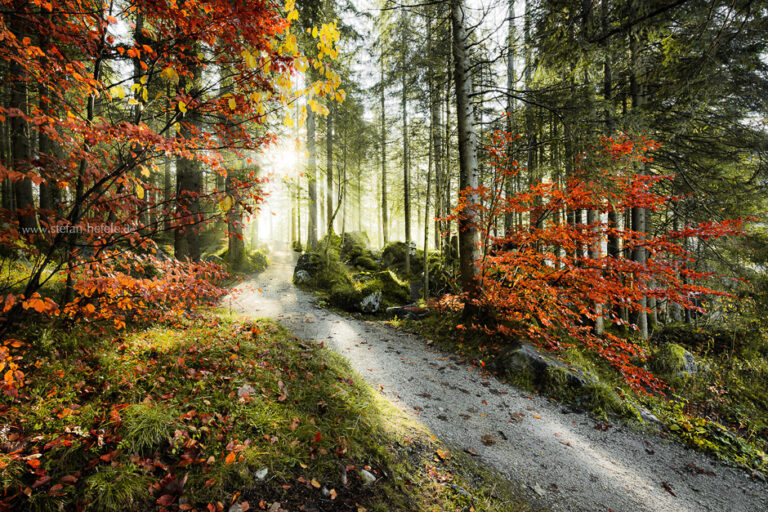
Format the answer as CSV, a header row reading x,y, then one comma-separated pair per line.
x,y
568,461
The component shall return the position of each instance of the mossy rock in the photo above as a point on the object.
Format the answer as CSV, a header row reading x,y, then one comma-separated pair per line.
x,y
673,360
365,262
393,258
394,290
345,296
354,243
601,400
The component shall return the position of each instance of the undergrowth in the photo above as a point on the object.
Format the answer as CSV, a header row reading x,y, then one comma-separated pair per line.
x,y
213,414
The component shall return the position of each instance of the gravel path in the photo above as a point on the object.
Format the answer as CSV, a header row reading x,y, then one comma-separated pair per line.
x,y
565,461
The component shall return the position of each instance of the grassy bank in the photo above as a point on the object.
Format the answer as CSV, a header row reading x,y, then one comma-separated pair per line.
x,y
219,414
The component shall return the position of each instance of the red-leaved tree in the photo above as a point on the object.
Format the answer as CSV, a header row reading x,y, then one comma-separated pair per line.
x,y
551,282
105,99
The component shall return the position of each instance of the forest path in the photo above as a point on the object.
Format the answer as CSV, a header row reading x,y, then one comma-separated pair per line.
x,y
561,457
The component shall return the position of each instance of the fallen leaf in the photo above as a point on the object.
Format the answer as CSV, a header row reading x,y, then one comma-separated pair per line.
x,y
488,439
230,458
315,483
444,454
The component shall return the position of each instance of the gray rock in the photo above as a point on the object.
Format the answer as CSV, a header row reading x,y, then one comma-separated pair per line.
x,y
371,303
647,415
262,473
367,477
527,358
301,277
673,360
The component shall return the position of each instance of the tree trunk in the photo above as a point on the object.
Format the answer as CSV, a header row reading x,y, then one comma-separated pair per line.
x,y
312,180
509,217
20,140
638,214
189,186
406,170
329,171
384,208
236,245
467,149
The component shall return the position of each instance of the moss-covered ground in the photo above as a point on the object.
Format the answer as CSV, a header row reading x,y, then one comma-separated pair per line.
x,y
211,414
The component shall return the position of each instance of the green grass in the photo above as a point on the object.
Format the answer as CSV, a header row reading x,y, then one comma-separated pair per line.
x,y
195,413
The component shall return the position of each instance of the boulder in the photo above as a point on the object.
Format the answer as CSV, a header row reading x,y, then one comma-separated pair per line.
x,y
371,303
673,360
301,277
354,243
394,290
542,369
306,263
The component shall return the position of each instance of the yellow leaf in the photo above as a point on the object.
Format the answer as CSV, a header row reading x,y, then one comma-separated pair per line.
x,y
140,190
289,5
225,204
145,94
315,484
288,121
119,91
232,103
133,101
314,32
444,454
182,107
145,171
170,74
293,15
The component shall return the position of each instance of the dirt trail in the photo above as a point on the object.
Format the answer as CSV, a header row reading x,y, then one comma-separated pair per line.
x,y
561,457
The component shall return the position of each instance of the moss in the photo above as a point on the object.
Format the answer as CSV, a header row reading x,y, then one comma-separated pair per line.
x,y
365,262
556,380
601,400
345,296
394,290
669,360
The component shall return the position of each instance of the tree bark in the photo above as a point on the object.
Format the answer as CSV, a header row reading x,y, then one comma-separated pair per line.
x,y
312,180
638,214
384,207
509,216
467,149
406,170
329,171
20,138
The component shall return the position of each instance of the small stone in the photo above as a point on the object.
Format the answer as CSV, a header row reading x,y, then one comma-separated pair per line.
x,y
538,490
325,492
262,473
488,439
236,508
757,475
367,477
245,390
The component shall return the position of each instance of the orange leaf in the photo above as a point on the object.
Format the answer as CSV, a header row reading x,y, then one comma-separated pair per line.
x,y
230,458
